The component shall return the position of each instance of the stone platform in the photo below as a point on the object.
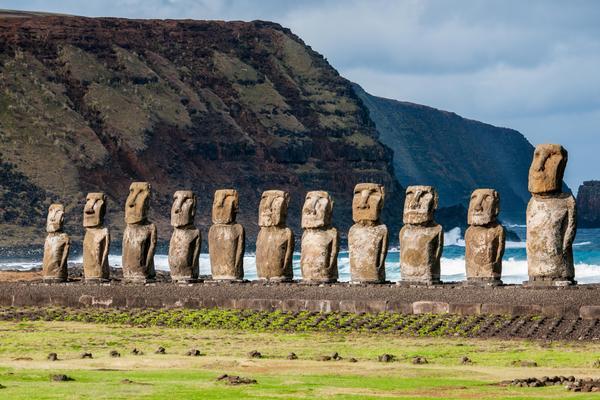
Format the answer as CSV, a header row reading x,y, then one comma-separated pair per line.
x,y
581,301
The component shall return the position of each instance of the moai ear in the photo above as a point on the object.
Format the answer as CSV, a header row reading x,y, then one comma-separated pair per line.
x,y
194,202
497,202
436,198
382,190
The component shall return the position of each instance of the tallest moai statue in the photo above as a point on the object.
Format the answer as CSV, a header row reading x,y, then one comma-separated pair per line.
x,y
551,219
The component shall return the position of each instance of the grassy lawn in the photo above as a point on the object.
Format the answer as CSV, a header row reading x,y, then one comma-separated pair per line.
x,y
25,371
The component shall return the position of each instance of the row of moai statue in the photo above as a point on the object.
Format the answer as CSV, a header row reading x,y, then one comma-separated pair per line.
x,y
550,234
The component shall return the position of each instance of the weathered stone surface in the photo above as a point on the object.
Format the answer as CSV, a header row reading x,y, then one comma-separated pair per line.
x,y
367,238
421,239
551,219
320,241
96,242
275,241
484,239
56,247
588,205
551,227
226,239
139,237
184,247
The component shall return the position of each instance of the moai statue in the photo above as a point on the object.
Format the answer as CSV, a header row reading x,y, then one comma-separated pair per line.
x,y
421,238
551,219
184,248
56,247
139,237
368,238
275,241
226,238
320,241
484,239
96,242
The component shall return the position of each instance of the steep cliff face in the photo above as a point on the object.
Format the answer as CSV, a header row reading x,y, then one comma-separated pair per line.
x,y
92,104
454,154
588,205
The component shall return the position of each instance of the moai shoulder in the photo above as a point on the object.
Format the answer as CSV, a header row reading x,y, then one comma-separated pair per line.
x,y
56,246
184,247
367,238
140,235
96,242
484,239
275,241
226,238
421,239
320,241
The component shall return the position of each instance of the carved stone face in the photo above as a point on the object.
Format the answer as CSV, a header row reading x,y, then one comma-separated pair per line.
x,y
184,208
94,210
367,202
56,217
138,201
225,206
273,208
317,210
420,204
547,168
483,207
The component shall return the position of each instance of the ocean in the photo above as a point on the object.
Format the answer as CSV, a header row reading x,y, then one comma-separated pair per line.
x,y
586,253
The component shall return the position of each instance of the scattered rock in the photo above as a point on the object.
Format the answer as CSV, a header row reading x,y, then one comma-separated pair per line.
x,y
52,357
193,353
236,380
336,357
160,350
386,358
61,378
86,355
292,356
254,354
136,352
115,354
2,386
596,364
465,360
324,358
23,359
524,363
352,360
419,360
127,381
570,383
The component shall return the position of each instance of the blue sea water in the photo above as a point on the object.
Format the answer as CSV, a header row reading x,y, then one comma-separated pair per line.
x,y
586,253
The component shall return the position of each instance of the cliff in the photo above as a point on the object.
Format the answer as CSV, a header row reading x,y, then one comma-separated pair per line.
x,y
588,205
454,154
91,104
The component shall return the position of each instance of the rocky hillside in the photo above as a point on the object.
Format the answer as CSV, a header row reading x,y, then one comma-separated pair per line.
x,y
92,104
452,153
588,205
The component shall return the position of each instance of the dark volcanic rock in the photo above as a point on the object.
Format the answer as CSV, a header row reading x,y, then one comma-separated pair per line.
x,y
588,205
91,104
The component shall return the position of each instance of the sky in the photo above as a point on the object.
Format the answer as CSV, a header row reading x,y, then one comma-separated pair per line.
x,y
529,65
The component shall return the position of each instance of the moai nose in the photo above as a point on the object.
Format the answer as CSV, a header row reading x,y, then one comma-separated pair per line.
x,y
364,198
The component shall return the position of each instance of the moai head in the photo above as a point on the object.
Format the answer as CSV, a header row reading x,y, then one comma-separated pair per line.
x,y
225,206
367,202
94,210
420,204
138,202
56,217
273,208
547,168
317,210
184,208
483,207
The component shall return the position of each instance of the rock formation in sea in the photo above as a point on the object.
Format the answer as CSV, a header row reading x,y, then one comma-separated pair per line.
x,y
588,205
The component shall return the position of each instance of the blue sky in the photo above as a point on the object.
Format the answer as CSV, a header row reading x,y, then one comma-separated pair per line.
x,y
529,65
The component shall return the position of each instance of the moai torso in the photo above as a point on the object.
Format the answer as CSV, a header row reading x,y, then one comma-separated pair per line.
x,y
56,246
226,239
320,241
484,239
96,242
139,237
421,239
551,219
367,238
275,241
184,247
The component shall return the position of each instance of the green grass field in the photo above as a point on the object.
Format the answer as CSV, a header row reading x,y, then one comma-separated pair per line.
x,y
25,371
